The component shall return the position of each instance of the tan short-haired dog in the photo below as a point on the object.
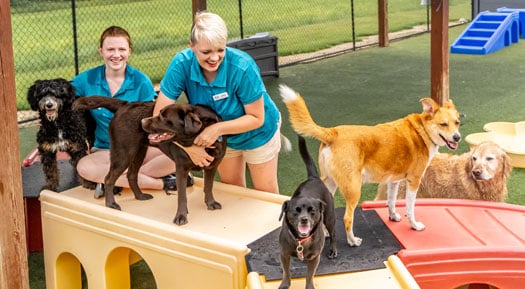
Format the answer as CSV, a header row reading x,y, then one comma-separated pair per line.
x,y
390,152
480,174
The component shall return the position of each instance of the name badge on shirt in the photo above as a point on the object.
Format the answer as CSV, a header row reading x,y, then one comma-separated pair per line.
x,y
220,96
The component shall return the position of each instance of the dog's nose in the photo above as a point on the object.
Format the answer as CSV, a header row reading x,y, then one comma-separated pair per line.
x,y
476,173
457,137
49,105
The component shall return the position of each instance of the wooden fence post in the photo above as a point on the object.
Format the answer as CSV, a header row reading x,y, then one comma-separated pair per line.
x,y
439,52
382,34
198,5
13,247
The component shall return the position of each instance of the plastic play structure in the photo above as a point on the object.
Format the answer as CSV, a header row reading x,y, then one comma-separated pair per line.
x,y
209,252
465,243
491,31
509,136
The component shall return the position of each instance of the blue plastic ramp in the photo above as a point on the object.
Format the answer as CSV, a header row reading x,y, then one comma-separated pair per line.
x,y
489,32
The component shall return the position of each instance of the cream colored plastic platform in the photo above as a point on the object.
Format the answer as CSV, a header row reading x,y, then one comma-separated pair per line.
x,y
208,252
394,276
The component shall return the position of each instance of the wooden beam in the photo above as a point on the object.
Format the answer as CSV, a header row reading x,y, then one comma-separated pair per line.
x,y
13,247
439,52
198,5
382,34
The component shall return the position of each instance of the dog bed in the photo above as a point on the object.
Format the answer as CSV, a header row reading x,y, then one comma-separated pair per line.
x,y
378,244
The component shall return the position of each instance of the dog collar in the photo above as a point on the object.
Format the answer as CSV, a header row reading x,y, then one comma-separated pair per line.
x,y
299,249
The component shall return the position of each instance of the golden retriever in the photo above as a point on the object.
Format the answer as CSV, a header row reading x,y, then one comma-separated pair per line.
x,y
390,152
480,174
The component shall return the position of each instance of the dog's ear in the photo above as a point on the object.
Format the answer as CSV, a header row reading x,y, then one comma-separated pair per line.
x,y
449,104
429,105
469,163
284,208
65,90
32,95
192,123
205,112
322,206
505,162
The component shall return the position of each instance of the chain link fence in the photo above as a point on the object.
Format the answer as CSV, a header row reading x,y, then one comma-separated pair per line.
x,y
59,38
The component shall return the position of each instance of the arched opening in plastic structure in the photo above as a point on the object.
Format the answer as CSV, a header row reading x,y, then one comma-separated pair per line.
x,y
69,272
477,286
124,267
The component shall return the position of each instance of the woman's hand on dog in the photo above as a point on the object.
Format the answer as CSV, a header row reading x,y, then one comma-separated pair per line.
x,y
208,136
198,155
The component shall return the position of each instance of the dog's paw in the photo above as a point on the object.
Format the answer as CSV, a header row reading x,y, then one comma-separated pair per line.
x,y
332,254
214,205
114,205
395,217
418,226
285,284
354,242
180,219
143,197
53,188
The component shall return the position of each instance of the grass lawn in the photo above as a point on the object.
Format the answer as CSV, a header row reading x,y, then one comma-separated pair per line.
x,y
382,84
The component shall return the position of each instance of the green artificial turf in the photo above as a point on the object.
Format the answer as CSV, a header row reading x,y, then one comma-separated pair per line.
x,y
382,84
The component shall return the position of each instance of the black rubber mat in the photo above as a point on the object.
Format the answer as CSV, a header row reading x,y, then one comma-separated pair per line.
x,y
33,178
378,244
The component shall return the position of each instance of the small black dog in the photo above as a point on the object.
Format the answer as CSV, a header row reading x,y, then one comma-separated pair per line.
x,y
61,128
302,233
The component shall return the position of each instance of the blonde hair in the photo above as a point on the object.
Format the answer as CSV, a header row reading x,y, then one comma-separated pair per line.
x,y
209,27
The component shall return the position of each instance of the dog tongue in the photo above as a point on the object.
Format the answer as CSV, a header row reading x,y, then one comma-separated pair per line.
x,y
159,137
304,229
452,145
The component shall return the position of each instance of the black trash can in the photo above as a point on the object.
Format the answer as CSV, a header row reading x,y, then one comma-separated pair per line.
x,y
263,48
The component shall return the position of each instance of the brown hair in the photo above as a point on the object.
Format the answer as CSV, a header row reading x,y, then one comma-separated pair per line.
x,y
115,31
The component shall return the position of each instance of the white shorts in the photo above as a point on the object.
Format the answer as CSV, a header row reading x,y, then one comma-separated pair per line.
x,y
259,155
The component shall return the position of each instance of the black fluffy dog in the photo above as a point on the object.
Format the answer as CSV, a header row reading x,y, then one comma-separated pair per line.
x,y
302,233
61,128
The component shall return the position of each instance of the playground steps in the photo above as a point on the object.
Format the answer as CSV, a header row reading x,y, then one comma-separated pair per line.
x,y
488,32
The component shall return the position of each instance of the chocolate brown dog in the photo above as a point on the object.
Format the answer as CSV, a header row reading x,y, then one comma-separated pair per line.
x,y
182,123
302,233
129,143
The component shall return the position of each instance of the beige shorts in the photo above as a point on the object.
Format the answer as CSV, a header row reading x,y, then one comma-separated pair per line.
x,y
259,155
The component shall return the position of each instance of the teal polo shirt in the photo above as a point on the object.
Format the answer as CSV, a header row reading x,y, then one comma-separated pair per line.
x,y
238,82
136,87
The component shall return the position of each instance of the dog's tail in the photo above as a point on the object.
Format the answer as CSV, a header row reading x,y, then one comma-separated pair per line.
x,y
301,119
92,102
311,169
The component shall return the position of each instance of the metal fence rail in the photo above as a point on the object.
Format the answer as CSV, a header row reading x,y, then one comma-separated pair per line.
x,y
57,38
